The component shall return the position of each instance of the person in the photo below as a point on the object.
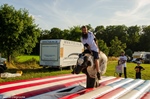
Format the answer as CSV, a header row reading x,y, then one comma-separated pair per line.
x,y
89,41
119,68
123,60
138,70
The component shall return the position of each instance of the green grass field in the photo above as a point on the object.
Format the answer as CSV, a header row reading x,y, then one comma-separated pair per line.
x,y
130,70
25,58
38,72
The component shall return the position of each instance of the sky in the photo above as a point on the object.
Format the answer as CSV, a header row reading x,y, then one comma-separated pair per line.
x,y
64,14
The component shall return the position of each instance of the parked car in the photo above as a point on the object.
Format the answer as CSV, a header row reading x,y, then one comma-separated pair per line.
x,y
3,66
142,56
135,60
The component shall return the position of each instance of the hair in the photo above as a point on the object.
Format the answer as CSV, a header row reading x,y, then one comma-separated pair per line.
x,y
84,36
123,52
84,27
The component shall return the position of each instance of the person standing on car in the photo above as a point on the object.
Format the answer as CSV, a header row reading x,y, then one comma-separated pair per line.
x,y
138,70
123,60
89,41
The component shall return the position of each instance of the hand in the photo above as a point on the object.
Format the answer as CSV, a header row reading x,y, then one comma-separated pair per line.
x,y
84,71
91,53
98,75
137,70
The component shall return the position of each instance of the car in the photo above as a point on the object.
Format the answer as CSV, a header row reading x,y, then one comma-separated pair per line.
x,y
3,66
142,56
135,60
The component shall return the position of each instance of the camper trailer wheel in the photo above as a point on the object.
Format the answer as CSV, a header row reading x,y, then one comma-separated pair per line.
x,y
60,68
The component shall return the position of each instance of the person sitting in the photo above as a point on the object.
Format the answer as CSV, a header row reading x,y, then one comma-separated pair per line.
x,y
89,41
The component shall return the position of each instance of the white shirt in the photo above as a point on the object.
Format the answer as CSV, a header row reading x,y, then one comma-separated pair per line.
x,y
90,41
123,58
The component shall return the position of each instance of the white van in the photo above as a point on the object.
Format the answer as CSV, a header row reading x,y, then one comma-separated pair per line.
x,y
55,52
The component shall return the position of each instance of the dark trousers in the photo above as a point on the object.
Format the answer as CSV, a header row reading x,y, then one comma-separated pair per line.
x,y
125,73
138,75
90,82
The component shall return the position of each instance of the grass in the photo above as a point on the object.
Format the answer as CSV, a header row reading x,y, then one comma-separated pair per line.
x,y
31,69
36,73
130,70
25,58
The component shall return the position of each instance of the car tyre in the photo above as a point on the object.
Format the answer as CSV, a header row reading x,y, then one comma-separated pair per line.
x,y
1,69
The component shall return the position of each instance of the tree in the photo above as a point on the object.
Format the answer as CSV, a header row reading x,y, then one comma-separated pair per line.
x,y
129,53
75,33
89,27
103,47
121,32
133,33
145,39
55,33
45,34
18,33
116,47
65,34
99,31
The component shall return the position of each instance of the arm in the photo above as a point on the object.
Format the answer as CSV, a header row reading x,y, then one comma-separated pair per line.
x,y
93,36
96,41
88,47
135,68
124,60
96,44
143,68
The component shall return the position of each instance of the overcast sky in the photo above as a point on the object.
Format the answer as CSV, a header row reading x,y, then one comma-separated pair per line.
x,y
68,13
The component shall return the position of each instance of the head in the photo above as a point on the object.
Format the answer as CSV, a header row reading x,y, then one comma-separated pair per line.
x,y
122,53
84,32
138,63
83,62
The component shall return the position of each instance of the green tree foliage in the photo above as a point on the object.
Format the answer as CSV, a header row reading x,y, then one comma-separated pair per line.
x,y
55,33
90,27
135,38
103,47
114,30
121,32
129,52
133,33
116,47
145,39
75,33
65,34
45,34
17,31
99,31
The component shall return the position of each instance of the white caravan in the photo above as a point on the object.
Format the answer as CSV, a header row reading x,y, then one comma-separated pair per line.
x,y
55,52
